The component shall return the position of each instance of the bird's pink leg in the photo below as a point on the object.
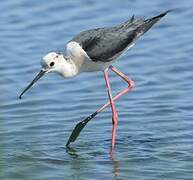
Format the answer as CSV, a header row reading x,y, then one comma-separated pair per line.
x,y
111,101
114,111
124,77
131,85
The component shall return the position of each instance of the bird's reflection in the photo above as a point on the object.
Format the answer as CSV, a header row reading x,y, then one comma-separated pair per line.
x,y
72,152
116,166
115,163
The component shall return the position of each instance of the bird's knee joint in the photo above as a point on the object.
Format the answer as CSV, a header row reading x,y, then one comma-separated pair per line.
x,y
131,84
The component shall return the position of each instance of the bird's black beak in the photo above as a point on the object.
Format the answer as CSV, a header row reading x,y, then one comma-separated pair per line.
x,y
39,75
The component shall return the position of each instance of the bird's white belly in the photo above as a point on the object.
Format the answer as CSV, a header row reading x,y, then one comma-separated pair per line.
x,y
89,65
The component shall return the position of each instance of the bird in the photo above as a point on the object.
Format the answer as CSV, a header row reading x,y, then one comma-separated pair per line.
x,y
97,50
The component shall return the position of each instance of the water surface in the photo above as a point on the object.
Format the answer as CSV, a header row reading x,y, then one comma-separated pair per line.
x,y
155,131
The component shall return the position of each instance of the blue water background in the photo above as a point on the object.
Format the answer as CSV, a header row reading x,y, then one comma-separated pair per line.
x,y
155,130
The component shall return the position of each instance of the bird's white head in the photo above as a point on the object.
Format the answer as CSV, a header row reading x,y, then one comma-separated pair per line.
x,y
54,62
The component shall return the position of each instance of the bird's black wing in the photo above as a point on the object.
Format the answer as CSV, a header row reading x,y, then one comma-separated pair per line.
x,y
103,44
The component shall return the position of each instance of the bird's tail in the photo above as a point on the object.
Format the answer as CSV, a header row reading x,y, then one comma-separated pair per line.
x,y
148,23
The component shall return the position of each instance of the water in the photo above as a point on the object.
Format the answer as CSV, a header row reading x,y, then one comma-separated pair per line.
x,y
155,131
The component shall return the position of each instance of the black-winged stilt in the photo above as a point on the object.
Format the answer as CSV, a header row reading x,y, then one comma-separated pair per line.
x,y
96,50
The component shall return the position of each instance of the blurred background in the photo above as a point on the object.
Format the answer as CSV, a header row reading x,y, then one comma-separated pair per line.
x,y
155,131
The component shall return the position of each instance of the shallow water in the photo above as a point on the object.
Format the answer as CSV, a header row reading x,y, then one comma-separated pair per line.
x,y
155,131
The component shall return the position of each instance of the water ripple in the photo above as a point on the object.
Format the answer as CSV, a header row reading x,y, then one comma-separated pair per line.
x,y
154,137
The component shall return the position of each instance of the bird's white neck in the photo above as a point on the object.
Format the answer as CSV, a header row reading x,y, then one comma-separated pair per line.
x,y
75,59
68,68
72,62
